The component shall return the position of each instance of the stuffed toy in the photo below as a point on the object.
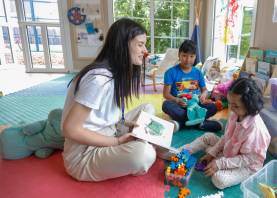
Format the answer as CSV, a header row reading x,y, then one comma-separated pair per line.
x,y
220,90
195,113
40,138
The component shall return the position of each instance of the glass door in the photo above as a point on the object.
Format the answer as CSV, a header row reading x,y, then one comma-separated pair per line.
x,y
40,30
10,40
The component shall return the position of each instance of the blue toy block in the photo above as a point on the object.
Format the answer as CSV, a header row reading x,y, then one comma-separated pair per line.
x,y
191,162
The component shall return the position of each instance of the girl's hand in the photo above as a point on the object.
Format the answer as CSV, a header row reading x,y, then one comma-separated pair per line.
x,y
211,168
127,137
206,158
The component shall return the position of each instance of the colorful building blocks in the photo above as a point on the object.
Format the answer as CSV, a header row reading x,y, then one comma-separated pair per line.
x,y
180,169
183,192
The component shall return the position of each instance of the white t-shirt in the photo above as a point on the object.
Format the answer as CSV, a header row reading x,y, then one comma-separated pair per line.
x,y
97,93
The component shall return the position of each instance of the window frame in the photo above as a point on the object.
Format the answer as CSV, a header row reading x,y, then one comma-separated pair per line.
x,y
228,48
152,35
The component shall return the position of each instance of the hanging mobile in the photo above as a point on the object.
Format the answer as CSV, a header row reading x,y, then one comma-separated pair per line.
x,y
75,16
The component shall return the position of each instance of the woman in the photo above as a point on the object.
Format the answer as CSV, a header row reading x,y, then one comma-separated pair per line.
x,y
94,150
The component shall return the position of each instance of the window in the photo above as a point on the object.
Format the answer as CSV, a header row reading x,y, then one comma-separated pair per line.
x,y
2,12
6,36
232,42
169,20
42,10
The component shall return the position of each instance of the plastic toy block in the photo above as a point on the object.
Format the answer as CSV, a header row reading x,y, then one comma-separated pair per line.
x,y
174,159
191,162
183,192
168,170
173,165
178,173
185,154
200,166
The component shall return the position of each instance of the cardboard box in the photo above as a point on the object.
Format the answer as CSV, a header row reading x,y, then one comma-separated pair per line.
x,y
262,76
271,53
270,56
270,60
264,68
251,65
256,53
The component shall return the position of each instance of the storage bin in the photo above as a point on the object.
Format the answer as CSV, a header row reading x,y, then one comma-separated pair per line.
x,y
273,92
267,175
180,169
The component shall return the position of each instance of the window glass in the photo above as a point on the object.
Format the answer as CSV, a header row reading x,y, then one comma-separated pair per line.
x,y
42,11
170,19
232,41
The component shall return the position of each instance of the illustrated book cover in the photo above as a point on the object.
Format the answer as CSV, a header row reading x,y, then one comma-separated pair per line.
x,y
154,130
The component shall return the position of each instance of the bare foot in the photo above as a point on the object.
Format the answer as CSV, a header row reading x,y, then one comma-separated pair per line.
x,y
3,127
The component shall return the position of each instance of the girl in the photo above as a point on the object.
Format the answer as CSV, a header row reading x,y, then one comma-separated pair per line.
x,y
241,151
93,149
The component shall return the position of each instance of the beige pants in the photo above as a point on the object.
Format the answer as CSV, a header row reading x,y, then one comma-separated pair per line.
x,y
222,178
89,163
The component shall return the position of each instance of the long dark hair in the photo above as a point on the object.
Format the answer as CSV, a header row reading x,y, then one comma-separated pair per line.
x,y
116,52
251,95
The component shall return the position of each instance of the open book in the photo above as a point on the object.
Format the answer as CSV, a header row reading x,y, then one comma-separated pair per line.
x,y
154,130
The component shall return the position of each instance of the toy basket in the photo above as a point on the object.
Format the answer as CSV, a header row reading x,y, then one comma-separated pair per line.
x,y
180,169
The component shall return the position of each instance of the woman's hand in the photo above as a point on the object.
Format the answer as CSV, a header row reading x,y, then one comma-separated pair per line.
x,y
125,127
127,137
131,125
211,168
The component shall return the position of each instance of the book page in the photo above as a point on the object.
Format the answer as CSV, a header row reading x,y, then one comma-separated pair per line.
x,y
154,130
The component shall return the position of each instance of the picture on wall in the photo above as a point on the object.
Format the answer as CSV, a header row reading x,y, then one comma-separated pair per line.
x,y
89,35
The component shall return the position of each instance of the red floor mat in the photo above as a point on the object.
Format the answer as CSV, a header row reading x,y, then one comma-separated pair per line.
x,y
44,178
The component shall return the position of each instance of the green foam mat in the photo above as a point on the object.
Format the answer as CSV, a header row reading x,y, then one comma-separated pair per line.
x,y
34,103
17,110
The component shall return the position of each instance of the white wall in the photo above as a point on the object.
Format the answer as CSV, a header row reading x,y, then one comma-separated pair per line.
x,y
265,29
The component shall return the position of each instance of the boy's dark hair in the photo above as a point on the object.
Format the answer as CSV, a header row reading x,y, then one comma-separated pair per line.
x,y
188,46
116,52
251,95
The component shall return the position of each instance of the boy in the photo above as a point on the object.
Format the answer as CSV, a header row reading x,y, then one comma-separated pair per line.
x,y
184,78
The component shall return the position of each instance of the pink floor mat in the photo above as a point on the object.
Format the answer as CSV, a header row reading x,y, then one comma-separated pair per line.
x,y
43,178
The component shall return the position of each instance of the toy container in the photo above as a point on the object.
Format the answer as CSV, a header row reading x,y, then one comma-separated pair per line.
x,y
273,92
180,169
267,175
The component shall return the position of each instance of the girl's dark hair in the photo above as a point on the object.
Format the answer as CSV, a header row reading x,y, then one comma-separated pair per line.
x,y
251,95
116,52
188,46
